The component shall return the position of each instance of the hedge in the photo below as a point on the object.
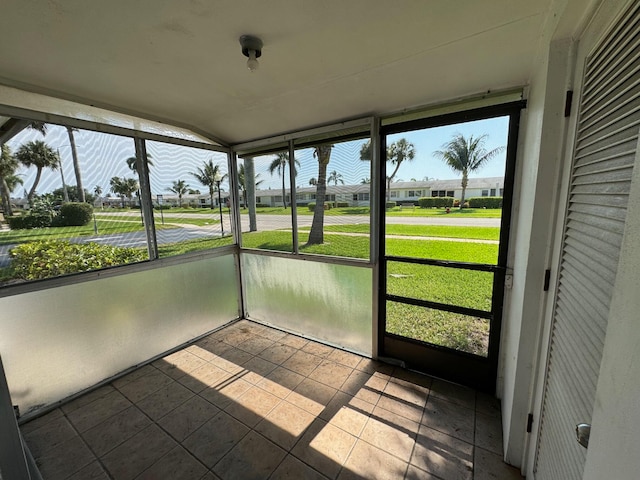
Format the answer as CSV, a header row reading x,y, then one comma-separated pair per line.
x,y
485,202
312,206
51,258
74,214
435,202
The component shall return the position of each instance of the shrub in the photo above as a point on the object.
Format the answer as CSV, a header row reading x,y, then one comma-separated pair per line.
x,y
162,207
312,206
485,202
437,202
74,215
456,204
50,258
389,205
262,205
342,204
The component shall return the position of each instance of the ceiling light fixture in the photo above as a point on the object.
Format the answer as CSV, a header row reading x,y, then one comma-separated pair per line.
x,y
252,48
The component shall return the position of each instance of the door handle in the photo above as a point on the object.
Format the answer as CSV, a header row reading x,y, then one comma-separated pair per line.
x,y
583,431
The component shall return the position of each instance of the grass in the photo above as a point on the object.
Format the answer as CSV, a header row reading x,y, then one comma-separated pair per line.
x,y
475,233
393,212
61,233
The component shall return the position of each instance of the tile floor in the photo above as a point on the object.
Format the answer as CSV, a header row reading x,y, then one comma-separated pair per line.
x,y
251,402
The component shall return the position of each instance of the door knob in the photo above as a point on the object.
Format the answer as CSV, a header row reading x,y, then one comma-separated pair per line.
x,y
583,431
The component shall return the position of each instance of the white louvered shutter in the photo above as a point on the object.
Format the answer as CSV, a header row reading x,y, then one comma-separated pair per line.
x,y
605,150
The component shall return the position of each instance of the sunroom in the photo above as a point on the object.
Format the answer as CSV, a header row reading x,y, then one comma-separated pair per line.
x,y
184,328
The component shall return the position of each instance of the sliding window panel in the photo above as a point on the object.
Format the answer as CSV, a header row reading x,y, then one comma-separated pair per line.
x,y
333,198
71,202
190,195
265,201
323,301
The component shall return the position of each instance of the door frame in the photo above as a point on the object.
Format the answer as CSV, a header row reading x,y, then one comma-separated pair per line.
x,y
460,367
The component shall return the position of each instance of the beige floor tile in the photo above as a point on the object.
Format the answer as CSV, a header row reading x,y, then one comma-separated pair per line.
x,y
453,393
391,432
302,362
252,406
371,463
188,417
162,401
364,386
215,438
400,374
414,473
293,469
371,366
87,398
49,435
273,334
98,411
281,382
404,399
406,390
145,385
449,418
347,413
257,369
234,337
488,405
285,424
278,353
347,359
294,341
489,466
233,359
204,377
324,447
488,433
178,363
93,471
133,375
64,460
138,453
225,393
318,349
447,457
311,396
200,350
107,435
331,374
253,458
38,422
401,407
255,345
178,464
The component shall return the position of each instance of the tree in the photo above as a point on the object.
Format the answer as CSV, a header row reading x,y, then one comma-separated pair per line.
x,y
76,164
465,156
323,154
97,190
279,164
180,187
365,181
398,152
313,181
72,195
38,154
335,178
39,127
132,163
207,176
123,187
8,179
242,179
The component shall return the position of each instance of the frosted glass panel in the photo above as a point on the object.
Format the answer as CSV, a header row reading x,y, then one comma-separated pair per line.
x,y
59,341
324,301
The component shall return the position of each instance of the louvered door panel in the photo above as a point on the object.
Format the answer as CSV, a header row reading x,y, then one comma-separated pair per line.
x,y
605,149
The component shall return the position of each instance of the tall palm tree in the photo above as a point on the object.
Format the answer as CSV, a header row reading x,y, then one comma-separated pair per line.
x,y
132,163
465,156
98,192
179,187
207,176
279,164
38,127
335,178
39,154
123,187
323,154
8,167
76,163
398,152
242,180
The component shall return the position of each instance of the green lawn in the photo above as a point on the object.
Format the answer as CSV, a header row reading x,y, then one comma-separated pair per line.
x,y
394,212
476,233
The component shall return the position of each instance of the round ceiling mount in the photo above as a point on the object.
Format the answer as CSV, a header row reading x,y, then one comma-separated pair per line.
x,y
248,43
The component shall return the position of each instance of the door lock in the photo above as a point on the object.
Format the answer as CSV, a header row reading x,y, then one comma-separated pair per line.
x,y
583,431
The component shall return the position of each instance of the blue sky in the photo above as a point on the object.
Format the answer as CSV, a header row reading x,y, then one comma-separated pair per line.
x,y
103,156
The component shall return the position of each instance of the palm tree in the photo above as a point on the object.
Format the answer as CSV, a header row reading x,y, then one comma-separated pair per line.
x,y
38,154
123,187
335,178
76,164
279,165
398,152
132,163
180,187
8,166
38,127
98,192
242,178
365,181
208,177
323,154
313,181
465,156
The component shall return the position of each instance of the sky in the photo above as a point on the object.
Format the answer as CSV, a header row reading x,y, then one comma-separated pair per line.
x,y
103,156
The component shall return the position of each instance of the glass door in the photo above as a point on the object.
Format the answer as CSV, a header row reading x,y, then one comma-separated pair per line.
x,y
445,211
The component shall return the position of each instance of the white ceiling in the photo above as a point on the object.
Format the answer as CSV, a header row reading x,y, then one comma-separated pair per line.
x,y
323,60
